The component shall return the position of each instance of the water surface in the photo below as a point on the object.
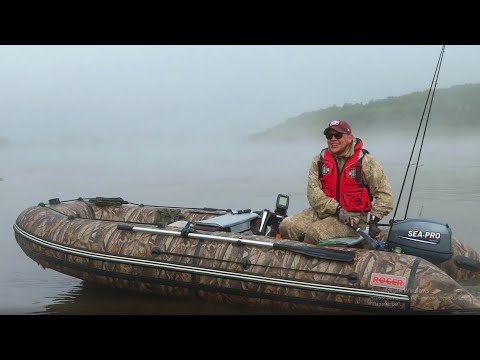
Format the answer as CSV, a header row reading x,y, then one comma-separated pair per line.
x,y
214,173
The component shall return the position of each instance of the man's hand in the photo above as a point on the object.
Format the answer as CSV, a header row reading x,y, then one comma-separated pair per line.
x,y
344,216
373,229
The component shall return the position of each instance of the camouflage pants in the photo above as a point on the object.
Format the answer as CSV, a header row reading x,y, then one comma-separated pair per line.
x,y
307,227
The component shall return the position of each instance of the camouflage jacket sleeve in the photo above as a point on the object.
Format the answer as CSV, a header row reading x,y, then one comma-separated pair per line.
x,y
321,203
379,186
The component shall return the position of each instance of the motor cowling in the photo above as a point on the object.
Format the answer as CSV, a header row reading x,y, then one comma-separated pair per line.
x,y
428,239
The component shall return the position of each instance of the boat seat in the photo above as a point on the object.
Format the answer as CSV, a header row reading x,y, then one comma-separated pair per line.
x,y
228,222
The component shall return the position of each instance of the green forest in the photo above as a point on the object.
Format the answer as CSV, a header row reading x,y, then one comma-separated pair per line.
x,y
454,107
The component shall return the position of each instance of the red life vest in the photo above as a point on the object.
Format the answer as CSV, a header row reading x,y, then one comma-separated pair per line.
x,y
347,186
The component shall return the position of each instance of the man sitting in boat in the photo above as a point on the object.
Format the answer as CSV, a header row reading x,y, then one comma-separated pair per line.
x,y
345,183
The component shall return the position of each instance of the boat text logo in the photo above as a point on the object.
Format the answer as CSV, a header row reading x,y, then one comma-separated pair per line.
x,y
388,281
427,237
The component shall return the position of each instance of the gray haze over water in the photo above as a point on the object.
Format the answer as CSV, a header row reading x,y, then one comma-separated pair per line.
x,y
167,125
191,91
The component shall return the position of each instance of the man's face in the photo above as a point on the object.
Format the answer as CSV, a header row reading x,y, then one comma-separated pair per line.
x,y
338,142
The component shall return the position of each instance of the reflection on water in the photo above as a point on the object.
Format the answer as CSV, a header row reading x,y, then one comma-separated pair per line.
x,y
216,174
89,299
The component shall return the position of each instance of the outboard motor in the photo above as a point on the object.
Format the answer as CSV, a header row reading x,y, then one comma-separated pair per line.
x,y
428,239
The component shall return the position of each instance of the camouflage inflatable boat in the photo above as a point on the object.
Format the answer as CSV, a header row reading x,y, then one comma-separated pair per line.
x,y
233,257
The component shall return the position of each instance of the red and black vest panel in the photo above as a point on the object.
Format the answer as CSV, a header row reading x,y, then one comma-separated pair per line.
x,y
346,185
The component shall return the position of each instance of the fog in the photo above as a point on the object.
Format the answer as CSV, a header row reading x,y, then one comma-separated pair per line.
x,y
196,93
162,125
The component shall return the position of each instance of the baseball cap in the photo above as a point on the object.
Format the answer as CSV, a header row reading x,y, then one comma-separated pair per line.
x,y
339,125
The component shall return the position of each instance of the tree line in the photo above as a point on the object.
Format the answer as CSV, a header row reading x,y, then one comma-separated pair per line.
x,y
454,107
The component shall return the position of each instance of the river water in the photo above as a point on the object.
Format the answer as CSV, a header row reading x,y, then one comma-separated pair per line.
x,y
219,173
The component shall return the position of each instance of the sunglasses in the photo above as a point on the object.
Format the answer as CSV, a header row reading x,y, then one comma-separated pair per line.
x,y
336,134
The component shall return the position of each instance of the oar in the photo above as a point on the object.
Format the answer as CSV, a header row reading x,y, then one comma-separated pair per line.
x,y
321,253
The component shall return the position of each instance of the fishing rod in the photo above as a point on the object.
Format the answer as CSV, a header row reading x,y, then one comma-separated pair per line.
x,y
428,103
118,201
439,65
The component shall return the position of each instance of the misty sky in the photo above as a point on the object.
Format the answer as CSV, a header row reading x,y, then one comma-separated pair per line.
x,y
191,91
